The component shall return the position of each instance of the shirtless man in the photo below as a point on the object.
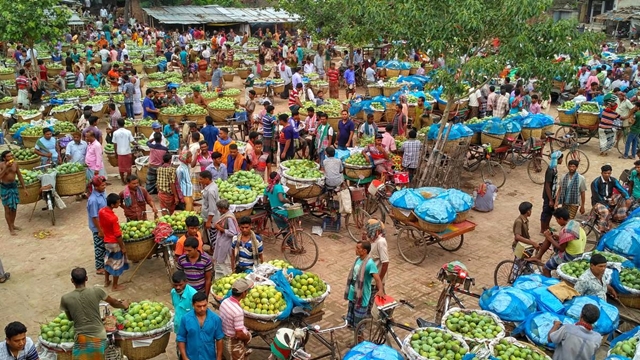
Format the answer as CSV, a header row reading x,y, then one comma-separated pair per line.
x,y
9,188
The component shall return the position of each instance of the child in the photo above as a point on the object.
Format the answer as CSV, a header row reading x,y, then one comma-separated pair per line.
x,y
261,164
332,169
534,108
193,230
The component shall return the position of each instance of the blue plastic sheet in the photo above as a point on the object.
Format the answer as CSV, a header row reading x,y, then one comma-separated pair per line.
x,y
369,351
436,211
622,337
342,154
407,199
532,281
434,191
394,65
432,134
547,301
472,356
533,122
282,285
537,326
616,357
512,126
476,127
460,200
463,129
510,304
609,314
356,106
624,240
17,135
494,128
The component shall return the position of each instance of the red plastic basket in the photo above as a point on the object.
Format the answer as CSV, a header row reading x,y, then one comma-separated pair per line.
x,y
401,177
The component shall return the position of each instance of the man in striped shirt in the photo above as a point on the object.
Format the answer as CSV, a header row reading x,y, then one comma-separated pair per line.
x,y
196,265
294,98
232,317
17,346
249,245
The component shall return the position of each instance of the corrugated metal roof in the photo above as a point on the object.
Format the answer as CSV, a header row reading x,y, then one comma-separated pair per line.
x,y
218,15
624,14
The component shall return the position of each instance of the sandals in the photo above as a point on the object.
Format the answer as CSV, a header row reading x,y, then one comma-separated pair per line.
x,y
6,277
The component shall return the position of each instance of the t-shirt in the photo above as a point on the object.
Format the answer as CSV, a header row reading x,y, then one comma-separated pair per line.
x,y
344,131
333,171
245,257
635,179
179,250
216,78
380,253
274,201
195,271
128,92
575,342
287,133
148,103
123,139
635,128
83,306
267,125
370,269
293,96
551,177
521,227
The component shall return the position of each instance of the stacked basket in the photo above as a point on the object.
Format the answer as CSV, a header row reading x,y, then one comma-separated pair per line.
x,y
587,118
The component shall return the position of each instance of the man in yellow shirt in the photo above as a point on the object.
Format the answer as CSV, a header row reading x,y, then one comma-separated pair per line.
x,y
222,144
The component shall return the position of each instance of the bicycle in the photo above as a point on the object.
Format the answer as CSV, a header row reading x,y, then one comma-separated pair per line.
x,y
537,167
480,157
507,271
298,246
454,280
301,336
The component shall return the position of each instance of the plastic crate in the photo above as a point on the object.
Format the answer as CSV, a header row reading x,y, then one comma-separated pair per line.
x,y
331,224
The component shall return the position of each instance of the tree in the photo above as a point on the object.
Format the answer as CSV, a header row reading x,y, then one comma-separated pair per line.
x,y
31,21
463,33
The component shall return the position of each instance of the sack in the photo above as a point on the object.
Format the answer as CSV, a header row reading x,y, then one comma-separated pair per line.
x,y
609,314
537,326
510,304
345,201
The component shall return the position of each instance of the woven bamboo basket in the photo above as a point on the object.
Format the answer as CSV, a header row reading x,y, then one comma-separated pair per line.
x,y
228,76
198,119
243,73
475,139
30,141
531,133
392,73
632,301
220,115
139,249
28,119
277,89
333,122
377,115
113,160
405,72
451,146
397,213
151,69
389,114
461,216
157,346
374,90
29,164
494,140
246,212
60,354
512,135
159,89
122,109
13,90
354,172
442,106
6,105
388,91
413,71
70,115
323,88
546,129
235,63
587,119
33,191
566,118
71,184
259,89
131,128
316,308
259,325
164,118
427,68
9,76
557,84
265,73
142,175
145,130
304,193
382,72
430,227
138,67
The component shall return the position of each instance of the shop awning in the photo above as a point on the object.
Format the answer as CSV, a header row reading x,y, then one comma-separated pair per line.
x,y
217,15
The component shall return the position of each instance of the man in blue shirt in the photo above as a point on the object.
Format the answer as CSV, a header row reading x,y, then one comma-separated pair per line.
x,y
149,110
200,342
183,57
181,297
350,80
346,128
76,150
171,132
210,132
97,200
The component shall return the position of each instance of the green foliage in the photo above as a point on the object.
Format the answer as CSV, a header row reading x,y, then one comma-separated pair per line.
x,y
30,21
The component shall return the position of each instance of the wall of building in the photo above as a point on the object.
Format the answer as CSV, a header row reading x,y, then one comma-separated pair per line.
x,y
626,3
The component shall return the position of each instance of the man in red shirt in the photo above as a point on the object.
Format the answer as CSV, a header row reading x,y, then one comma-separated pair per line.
x,y
43,70
22,83
334,85
115,258
294,98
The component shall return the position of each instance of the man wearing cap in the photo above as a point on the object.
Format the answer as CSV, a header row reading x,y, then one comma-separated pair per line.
x,y
597,280
157,128
232,317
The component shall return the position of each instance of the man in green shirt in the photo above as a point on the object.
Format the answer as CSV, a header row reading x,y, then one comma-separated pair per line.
x,y
634,183
82,306
634,133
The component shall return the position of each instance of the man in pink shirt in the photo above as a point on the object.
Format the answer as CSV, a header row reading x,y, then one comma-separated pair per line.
x,y
93,158
388,141
535,107
232,317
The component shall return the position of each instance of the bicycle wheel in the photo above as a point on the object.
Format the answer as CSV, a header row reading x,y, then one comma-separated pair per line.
x,y
442,306
371,204
584,135
536,169
593,236
581,157
370,330
452,245
504,275
300,250
169,263
412,249
355,222
492,170
621,140
516,158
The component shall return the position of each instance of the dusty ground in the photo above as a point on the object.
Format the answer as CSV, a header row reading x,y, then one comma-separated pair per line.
x,y
40,268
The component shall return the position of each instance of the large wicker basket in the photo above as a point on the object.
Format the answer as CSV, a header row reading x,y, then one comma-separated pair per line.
x,y
142,174
33,192
494,140
228,76
60,354
157,346
113,160
374,90
164,118
389,114
30,141
29,164
71,184
389,91
243,73
260,325
265,73
512,135
6,105
632,301
399,214
392,73
566,118
240,214
139,249
431,227
259,89
150,69
587,119
30,118
333,122
531,133
198,119
354,171
220,115
405,72
70,115
9,76
461,216
278,88
145,130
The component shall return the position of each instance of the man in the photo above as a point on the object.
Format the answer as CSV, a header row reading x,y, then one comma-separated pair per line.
x,y
346,129
22,83
93,158
287,148
371,75
17,345
269,123
350,80
156,153
412,148
93,126
235,160
149,109
572,191
359,284
9,169
247,247
223,144
93,79
297,78
128,91
521,226
210,132
97,200
181,297
196,265
114,115
607,203
634,182
333,75
134,200
379,253
193,230
333,169
549,190
491,100
190,128
501,104
568,244
597,280
285,75
217,168
115,258
388,142
294,98
216,76
82,306
577,341
200,333
76,150
227,227
232,317
122,139
166,184
157,128
47,147
209,210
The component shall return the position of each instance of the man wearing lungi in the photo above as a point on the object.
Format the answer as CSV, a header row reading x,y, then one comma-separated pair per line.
x,y
9,188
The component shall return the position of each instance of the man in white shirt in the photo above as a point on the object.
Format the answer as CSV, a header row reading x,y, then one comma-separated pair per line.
x,y
285,50
206,53
103,13
104,54
473,104
357,58
285,74
122,139
371,74
624,108
309,67
296,78
379,250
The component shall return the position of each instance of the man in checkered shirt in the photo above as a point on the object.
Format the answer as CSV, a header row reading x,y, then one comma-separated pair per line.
x,y
232,317
411,153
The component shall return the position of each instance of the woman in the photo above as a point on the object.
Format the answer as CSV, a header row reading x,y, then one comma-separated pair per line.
x,y
185,186
137,97
275,195
380,156
202,157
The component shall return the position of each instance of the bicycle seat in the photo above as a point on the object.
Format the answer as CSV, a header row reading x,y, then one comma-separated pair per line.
x,y
424,323
299,311
548,133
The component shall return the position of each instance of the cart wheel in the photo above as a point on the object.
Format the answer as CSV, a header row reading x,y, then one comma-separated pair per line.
x,y
355,222
370,204
581,157
620,142
451,244
300,250
413,250
584,135
593,236
492,170
565,135
370,330
536,169
504,274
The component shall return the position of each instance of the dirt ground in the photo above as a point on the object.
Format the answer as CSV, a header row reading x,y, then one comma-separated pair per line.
x,y
40,268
